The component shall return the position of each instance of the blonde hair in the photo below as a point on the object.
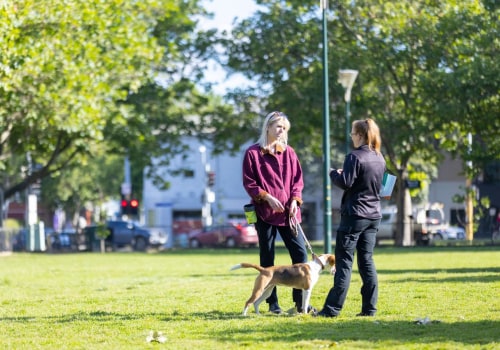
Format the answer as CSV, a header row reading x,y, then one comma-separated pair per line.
x,y
269,120
370,132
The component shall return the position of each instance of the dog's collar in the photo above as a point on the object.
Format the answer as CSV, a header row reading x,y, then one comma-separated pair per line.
x,y
315,257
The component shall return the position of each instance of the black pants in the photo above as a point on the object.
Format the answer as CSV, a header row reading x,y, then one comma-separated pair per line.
x,y
295,245
358,234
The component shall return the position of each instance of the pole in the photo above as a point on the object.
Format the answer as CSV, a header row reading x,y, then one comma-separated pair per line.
x,y
327,225
206,206
469,204
127,183
347,127
469,209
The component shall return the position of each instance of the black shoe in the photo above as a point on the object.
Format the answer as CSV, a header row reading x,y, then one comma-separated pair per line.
x,y
364,314
275,308
322,313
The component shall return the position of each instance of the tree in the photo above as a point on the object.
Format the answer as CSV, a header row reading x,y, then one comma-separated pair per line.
x,y
64,67
393,45
71,73
83,186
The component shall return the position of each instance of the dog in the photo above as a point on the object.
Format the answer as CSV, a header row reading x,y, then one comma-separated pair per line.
x,y
300,276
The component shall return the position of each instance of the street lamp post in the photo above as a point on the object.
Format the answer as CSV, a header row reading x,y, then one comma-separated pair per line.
x,y
327,225
206,210
469,193
346,79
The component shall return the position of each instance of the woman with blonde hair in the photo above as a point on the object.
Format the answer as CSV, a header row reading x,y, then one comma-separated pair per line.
x,y
272,177
361,179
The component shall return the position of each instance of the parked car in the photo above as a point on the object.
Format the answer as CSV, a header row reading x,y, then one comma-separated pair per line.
x,y
19,241
231,234
450,232
129,233
429,223
65,240
387,227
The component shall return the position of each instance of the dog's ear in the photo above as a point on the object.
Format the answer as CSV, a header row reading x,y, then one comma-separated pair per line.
x,y
331,261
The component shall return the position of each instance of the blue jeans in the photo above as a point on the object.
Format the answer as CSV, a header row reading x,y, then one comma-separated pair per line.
x,y
354,233
295,245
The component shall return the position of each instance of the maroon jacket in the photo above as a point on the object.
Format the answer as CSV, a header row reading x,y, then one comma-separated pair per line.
x,y
278,174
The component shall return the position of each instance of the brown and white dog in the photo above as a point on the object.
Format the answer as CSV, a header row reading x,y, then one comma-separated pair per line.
x,y
300,276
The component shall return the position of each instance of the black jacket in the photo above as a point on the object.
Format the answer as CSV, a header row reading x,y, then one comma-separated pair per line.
x,y
361,180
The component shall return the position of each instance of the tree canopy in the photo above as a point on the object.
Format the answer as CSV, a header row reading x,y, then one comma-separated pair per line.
x,y
82,79
427,74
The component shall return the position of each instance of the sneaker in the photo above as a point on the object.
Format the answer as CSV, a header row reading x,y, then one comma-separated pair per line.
x,y
322,313
275,308
364,314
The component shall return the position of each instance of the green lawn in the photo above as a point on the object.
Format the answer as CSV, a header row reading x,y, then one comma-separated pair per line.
x,y
113,301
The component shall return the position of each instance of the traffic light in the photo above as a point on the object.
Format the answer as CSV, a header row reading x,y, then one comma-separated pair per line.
x,y
134,207
124,206
130,207
211,178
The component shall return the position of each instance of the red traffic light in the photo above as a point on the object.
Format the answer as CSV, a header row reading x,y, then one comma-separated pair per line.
x,y
130,207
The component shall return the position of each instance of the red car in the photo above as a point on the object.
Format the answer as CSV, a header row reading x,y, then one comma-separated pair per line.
x,y
232,234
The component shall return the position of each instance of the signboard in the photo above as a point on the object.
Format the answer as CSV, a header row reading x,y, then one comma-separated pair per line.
x,y
126,189
411,184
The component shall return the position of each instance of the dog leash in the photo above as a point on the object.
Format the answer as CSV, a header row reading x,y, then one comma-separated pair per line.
x,y
296,228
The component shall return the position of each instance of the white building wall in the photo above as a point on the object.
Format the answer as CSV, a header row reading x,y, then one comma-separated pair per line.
x,y
186,193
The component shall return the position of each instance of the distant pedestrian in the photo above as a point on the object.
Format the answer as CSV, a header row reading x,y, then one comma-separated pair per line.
x,y
272,177
361,179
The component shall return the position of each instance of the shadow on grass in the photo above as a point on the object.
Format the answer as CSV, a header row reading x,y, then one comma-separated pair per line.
x,y
318,248
94,316
341,330
305,328
488,274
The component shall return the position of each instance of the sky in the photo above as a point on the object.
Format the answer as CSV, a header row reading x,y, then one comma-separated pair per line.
x,y
226,10
224,13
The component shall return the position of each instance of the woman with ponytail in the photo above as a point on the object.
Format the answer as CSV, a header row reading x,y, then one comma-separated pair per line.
x,y
361,179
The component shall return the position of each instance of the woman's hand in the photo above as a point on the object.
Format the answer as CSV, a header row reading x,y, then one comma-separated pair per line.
x,y
293,208
275,204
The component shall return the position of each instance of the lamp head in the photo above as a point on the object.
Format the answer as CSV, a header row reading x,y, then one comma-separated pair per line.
x,y
346,79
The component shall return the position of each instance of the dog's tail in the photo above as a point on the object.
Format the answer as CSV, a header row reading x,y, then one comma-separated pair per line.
x,y
235,267
246,265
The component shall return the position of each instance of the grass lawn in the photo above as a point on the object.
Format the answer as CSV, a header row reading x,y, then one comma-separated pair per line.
x,y
113,301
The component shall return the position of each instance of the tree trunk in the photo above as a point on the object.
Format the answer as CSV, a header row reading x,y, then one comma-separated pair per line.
x,y
404,230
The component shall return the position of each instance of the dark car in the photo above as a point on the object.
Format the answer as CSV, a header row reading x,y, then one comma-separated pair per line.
x,y
231,234
19,241
65,240
128,233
